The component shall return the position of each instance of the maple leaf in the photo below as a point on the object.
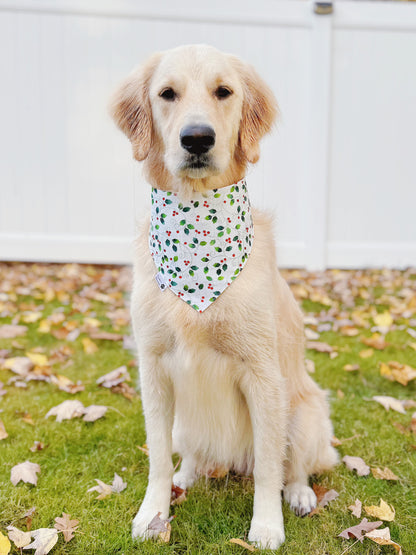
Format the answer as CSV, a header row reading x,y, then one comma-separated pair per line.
x,y
244,544
66,410
27,472
385,474
19,538
10,331
324,495
103,489
5,544
44,540
94,412
358,530
390,403
382,537
356,508
67,526
3,433
118,485
162,527
383,511
356,463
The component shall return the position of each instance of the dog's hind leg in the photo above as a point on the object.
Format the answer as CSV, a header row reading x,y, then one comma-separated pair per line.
x,y
187,474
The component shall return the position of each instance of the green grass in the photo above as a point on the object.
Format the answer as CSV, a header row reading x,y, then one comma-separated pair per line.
x,y
216,510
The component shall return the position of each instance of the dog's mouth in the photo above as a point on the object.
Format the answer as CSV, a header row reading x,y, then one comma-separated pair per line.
x,y
195,165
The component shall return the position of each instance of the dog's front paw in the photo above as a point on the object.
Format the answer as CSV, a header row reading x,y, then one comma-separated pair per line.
x,y
140,527
266,535
301,498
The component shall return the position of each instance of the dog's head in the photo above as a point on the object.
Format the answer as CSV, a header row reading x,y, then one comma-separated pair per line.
x,y
193,113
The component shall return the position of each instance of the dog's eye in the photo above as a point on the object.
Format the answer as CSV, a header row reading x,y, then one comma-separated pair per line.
x,y
223,92
168,94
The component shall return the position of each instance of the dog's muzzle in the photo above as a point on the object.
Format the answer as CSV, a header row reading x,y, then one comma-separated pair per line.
x,y
197,139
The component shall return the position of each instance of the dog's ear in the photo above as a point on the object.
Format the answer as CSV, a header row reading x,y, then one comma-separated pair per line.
x,y
259,111
131,110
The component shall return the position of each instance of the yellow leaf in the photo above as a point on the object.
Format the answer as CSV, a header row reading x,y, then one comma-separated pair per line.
x,y
89,346
381,536
366,353
385,474
31,316
244,544
5,544
383,320
382,512
38,359
92,322
44,326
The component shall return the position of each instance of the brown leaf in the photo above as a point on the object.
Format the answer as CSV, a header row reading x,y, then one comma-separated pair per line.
x,y
358,530
37,446
25,472
356,463
376,341
244,544
383,511
115,377
178,495
351,367
356,508
218,472
323,495
161,526
106,335
29,517
144,449
385,474
395,371
67,526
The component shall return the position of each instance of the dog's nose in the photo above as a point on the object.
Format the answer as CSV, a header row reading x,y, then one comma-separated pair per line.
x,y
197,139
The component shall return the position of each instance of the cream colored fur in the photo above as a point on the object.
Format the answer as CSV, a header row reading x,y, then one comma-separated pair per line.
x,y
227,387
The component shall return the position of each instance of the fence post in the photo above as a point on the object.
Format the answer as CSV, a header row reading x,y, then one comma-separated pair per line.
x,y
316,205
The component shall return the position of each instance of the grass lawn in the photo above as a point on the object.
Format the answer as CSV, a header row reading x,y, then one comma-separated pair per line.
x,y
63,305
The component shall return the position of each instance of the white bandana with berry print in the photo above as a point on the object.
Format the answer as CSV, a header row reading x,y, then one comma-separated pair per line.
x,y
200,245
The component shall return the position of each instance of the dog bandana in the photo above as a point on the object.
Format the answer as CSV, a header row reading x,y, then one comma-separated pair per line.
x,y
200,245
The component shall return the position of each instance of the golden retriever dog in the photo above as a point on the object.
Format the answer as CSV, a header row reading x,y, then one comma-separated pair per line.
x,y
222,373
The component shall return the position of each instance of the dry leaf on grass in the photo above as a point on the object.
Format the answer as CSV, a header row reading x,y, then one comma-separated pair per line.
x,y
244,544
118,485
115,377
18,537
67,526
5,544
359,530
66,410
25,472
143,449
3,433
89,346
162,527
383,511
356,463
10,331
356,508
44,540
351,367
19,365
383,320
390,403
106,335
376,341
385,474
104,490
38,359
37,446
397,372
178,495
324,495
319,346
382,537
94,412
366,353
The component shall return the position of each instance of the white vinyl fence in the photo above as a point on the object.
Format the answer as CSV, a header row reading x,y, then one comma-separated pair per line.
x,y
339,172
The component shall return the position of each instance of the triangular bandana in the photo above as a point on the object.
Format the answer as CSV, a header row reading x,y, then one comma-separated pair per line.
x,y
201,244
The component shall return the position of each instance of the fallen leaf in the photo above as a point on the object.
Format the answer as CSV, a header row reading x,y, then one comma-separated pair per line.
x,y
351,367
366,353
118,485
162,526
29,517
383,320
125,390
94,412
382,537
358,530
19,538
349,331
356,508
319,346
37,446
19,365
395,371
5,544
324,495
335,442
218,472
105,335
390,403
66,410
31,316
37,359
89,346
27,472
144,449
67,526
376,341
385,474
10,331
356,463
27,418
44,540
3,433
383,511
311,334
115,377
244,544
103,489
178,495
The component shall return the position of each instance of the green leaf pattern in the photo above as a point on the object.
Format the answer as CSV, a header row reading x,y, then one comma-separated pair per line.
x,y
201,244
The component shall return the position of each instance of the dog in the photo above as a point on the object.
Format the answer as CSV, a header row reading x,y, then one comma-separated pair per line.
x,y
221,355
